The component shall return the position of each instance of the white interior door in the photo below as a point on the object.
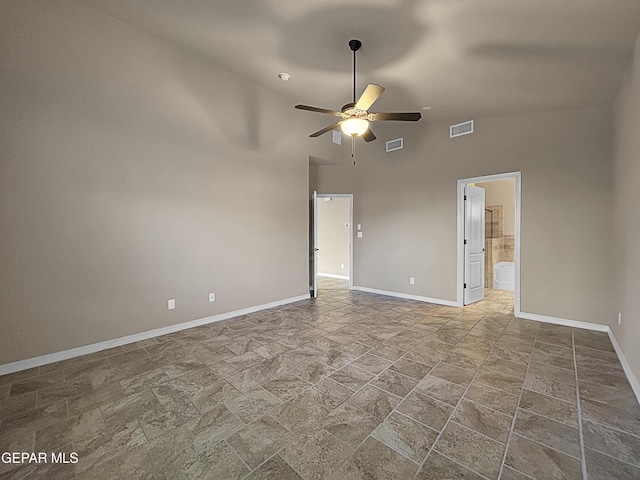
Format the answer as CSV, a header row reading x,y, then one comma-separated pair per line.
x,y
473,244
314,246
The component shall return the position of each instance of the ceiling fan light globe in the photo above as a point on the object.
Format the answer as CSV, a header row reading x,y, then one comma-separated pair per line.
x,y
354,127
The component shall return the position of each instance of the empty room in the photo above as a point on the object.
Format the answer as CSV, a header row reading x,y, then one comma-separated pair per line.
x,y
345,239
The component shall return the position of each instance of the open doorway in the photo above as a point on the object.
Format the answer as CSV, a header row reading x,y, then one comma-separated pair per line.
x,y
332,253
490,259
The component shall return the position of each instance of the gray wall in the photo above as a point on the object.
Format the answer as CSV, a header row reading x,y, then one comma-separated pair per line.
x,y
132,172
626,179
406,203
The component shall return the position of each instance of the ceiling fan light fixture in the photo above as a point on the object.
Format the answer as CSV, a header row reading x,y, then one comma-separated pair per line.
x,y
355,127
356,116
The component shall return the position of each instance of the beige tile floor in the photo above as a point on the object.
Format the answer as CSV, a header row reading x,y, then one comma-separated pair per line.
x,y
348,386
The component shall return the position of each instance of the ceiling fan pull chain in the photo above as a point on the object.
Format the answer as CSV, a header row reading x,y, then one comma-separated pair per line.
x,y
355,116
353,149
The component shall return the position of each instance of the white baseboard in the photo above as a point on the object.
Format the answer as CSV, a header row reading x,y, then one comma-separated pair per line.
x,y
333,275
407,296
96,347
633,381
562,321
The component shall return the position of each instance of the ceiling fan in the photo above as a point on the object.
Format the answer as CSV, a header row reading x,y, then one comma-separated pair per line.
x,y
355,116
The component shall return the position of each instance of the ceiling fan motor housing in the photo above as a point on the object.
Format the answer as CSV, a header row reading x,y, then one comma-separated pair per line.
x,y
351,110
355,45
355,116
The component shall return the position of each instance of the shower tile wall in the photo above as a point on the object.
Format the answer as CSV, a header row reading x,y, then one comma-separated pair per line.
x,y
498,247
508,248
493,220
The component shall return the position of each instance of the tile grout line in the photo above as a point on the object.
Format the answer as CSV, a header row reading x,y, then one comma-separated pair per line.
x,y
545,445
475,402
550,397
454,408
583,461
368,383
421,465
414,420
609,426
477,433
512,433
457,462
235,452
615,458
523,474
277,452
394,410
515,413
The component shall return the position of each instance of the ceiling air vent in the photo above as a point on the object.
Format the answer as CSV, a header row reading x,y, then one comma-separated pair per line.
x,y
460,129
396,144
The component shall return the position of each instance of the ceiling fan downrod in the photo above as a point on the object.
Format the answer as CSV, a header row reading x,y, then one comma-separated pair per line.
x,y
356,117
354,45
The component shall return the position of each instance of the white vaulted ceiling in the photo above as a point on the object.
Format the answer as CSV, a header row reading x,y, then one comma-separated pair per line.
x,y
462,58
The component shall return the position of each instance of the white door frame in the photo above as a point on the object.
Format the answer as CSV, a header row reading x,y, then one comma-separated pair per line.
x,y
517,176
313,274
348,196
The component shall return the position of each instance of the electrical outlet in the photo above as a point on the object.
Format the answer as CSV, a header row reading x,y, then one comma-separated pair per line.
x,y
212,297
342,265
619,318
171,304
412,280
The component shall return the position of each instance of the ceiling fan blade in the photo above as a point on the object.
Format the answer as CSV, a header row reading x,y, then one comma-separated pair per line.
x,y
368,136
318,110
404,117
326,129
370,95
